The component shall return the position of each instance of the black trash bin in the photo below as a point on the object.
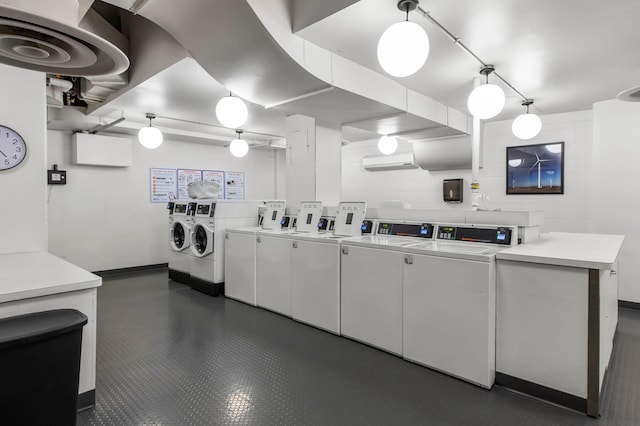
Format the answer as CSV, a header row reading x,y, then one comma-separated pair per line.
x,y
40,367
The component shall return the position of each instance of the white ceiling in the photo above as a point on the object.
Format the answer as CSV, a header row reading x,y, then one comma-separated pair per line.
x,y
566,55
185,94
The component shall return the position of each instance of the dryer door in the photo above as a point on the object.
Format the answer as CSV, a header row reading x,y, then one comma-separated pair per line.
x,y
179,238
201,240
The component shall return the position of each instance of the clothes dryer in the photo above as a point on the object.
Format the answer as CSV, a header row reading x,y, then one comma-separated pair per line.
x,y
179,241
211,220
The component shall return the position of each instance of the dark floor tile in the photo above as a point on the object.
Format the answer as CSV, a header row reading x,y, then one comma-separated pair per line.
x,y
168,355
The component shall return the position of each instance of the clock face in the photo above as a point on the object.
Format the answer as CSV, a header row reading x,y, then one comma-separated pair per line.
x,y
13,149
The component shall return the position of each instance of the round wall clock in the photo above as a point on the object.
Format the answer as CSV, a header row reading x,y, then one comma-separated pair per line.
x,y
13,149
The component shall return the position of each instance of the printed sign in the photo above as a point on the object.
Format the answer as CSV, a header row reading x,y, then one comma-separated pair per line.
x,y
217,177
163,185
185,177
234,185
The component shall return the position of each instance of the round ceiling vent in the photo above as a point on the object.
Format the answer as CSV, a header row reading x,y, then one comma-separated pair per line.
x,y
29,40
630,95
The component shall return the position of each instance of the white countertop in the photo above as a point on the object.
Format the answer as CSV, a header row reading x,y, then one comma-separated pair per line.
x,y
27,275
592,251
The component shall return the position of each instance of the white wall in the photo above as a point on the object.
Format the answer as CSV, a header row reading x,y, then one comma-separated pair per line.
x,y
616,204
23,188
423,189
103,219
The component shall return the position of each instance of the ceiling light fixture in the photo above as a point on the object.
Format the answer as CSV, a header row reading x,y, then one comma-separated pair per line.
x,y
150,137
231,111
526,126
404,46
487,100
238,147
387,145
460,44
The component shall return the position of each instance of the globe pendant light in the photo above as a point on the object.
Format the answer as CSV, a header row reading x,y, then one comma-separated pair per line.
x,y
487,100
387,145
526,126
231,112
238,147
404,46
150,137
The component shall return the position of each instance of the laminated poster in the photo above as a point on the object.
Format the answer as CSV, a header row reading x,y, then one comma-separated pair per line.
x,y
185,177
163,185
216,176
234,185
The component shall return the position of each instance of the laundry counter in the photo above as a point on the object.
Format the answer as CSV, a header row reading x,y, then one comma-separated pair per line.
x,y
557,312
40,281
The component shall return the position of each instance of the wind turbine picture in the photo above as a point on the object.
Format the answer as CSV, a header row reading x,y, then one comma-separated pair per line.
x,y
538,163
523,162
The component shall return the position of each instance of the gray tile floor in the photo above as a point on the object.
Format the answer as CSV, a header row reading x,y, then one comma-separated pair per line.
x,y
168,355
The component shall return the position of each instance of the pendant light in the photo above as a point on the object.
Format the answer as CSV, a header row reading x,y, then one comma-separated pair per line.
x,y
527,125
404,46
238,147
387,145
150,137
487,100
231,112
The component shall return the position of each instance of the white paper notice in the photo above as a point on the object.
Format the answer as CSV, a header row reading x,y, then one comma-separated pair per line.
x,y
163,185
217,177
234,185
185,177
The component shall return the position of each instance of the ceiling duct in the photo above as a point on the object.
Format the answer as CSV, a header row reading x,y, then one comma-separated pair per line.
x,y
443,153
630,95
56,37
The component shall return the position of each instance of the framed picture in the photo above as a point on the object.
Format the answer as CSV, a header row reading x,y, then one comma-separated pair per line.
x,y
535,169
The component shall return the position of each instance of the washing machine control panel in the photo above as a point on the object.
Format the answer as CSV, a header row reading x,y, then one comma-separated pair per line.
x,y
285,222
180,208
498,235
205,209
420,230
367,226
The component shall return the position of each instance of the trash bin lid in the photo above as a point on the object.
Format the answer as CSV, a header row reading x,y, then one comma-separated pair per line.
x,y
29,328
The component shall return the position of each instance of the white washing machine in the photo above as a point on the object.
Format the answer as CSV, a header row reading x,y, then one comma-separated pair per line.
x,y
449,300
240,254
315,269
179,241
273,259
211,220
371,283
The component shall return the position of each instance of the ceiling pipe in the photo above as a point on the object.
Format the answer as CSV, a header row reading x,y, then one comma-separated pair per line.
x,y
458,42
65,85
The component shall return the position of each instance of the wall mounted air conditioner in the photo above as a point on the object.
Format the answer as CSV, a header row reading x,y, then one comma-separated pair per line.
x,y
403,160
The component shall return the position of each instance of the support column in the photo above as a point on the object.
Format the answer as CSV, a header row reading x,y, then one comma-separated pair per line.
x,y
313,161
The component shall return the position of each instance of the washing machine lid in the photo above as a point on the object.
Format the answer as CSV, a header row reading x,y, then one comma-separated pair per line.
x,y
179,235
202,240
383,242
466,251
327,238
